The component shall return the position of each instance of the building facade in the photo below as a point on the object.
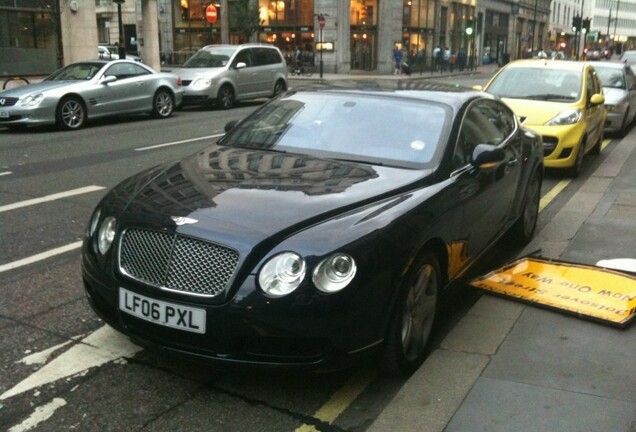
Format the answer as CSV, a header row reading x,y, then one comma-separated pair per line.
x,y
37,36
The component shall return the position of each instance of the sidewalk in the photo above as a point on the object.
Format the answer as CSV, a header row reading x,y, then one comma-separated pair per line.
x,y
507,366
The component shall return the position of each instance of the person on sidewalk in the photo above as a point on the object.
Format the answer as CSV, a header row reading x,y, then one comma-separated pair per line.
x,y
446,59
437,59
397,58
461,59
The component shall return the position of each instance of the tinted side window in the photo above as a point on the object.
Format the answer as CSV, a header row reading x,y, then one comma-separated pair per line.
x,y
243,56
266,56
126,70
485,122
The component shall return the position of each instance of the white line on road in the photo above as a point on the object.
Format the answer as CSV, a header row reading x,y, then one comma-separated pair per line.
x,y
5,173
51,197
41,413
40,256
178,142
102,346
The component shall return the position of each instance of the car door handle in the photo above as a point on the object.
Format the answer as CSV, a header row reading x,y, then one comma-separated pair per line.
x,y
512,162
140,83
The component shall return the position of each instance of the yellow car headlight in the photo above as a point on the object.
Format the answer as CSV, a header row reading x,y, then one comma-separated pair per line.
x,y
567,117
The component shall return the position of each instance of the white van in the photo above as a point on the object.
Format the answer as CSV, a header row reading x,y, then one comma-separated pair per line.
x,y
224,74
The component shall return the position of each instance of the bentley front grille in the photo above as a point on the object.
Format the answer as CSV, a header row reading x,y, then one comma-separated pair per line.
x,y
176,262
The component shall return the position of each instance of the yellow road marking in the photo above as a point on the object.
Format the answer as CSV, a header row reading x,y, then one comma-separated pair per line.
x,y
341,399
605,143
557,189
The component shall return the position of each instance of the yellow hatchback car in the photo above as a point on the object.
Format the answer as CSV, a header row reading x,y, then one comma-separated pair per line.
x,y
562,101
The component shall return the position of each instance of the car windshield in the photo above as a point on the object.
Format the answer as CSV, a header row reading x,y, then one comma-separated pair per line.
x,y
76,72
210,58
538,83
375,129
611,77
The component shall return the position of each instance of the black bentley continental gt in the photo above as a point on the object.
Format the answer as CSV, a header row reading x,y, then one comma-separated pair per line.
x,y
322,227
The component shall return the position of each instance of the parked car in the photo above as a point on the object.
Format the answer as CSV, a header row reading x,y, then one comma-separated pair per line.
x,y
562,101
629,57
89,90
619,87
594,55
111,52
224,74
312,233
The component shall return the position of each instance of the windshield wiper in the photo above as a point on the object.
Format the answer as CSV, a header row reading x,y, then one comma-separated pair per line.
x,y
548,96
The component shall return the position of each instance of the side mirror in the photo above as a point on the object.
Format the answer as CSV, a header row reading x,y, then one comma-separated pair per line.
x,y
597,99
109,79
230,125
240,65
486,155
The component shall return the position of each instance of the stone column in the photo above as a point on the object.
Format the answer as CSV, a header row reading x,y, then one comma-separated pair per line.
x,y
150,32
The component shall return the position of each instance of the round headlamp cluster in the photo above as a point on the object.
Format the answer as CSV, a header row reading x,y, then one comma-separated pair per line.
x,y
105,233
283,273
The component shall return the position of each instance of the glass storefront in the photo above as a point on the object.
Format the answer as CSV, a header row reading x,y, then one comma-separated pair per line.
x,y
289,25
418,24
364,34
28,38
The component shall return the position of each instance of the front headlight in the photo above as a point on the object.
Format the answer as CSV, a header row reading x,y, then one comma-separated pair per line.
x,y
334,273
106,234
32,100
282,274
201,83
565,118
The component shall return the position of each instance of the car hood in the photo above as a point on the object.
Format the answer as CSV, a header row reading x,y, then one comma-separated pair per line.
x,y
537,113
614,96
190,74
42,86
256,192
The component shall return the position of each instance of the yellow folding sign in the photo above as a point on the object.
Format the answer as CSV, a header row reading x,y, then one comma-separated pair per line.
x,y
587,291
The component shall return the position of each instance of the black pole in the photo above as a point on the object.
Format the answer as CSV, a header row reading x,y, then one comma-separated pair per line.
x,y
122,39
534,27
321,48
58,30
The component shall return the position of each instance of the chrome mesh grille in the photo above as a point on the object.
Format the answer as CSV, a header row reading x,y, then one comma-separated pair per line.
x,y
176,262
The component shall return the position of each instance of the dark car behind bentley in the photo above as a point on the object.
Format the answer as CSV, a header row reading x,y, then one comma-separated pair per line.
x,y
320,228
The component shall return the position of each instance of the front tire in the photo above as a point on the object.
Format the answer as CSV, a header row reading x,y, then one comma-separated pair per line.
x,y
70,113
225,98
412,320
576,169
279,88
162,104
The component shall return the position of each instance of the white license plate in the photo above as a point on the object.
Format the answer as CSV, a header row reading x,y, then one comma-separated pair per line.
x,y
4,114
163,313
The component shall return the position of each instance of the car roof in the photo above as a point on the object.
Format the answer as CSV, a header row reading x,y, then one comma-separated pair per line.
x,y
249,45
608,64
548,64
425,91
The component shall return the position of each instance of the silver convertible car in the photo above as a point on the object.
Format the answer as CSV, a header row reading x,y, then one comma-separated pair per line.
x,y
88,90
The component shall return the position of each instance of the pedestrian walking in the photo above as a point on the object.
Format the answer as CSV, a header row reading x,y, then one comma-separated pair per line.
x,y
397,58
461,59
437,58
446,59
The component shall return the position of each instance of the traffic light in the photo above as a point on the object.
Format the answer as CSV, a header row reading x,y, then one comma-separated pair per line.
x,y
585,24
576,23
470,27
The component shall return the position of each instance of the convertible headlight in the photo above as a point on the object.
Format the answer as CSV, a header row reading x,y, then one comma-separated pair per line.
x,y
565,118
282,274
201,83
93,225
106,234
334,273
32,100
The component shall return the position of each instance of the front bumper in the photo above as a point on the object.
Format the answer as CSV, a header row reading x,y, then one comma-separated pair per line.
x,y
559,143
17,115
304,332
614,122
199,96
